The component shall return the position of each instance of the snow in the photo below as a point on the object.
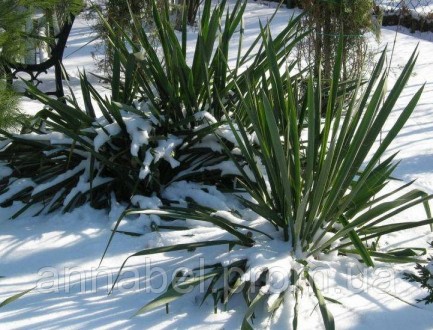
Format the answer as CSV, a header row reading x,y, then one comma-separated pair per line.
x,y
279,267
15,186
61,178
54,137
103,134
144,221
138,129
165,150
429,267
145,170
84,186
59,254
5,171
182,190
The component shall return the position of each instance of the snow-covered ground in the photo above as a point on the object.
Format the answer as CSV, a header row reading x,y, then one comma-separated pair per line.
x,y
59,254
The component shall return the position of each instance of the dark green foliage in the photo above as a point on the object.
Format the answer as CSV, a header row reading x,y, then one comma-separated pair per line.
x,y
61,154
14,39
208,84
12,21
322,182
172,98
425,278
10,115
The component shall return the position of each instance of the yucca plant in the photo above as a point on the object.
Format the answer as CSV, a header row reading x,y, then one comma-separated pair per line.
x,y
323,174
323,177
318,181
164,76
67,156
156,128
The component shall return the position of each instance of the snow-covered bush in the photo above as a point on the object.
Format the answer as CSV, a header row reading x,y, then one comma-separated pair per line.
x,y
157,127
68,157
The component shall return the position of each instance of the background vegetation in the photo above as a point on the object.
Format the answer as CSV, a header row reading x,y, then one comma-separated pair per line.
x,y
19,36
330,19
